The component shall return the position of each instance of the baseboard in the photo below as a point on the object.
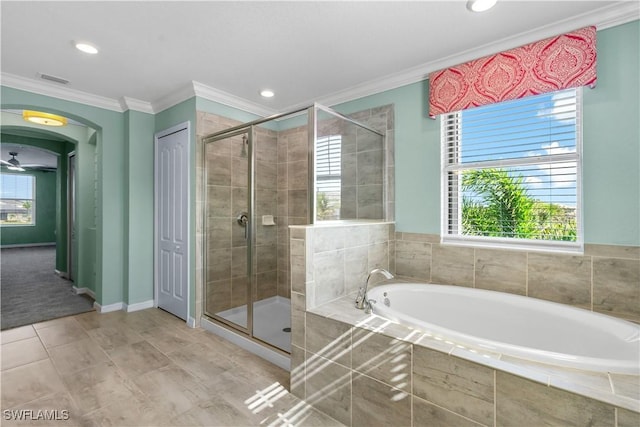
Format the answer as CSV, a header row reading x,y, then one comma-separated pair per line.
x,y
191,322
64,275
87,291
28,245
138,306
109,307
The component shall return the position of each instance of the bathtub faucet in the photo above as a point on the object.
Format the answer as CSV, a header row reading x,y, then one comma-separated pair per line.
x,y
362,302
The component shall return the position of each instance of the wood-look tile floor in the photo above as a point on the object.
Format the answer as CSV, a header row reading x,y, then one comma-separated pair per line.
x,y
145,368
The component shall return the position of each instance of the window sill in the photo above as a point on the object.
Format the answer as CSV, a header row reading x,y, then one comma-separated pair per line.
x,y
573,248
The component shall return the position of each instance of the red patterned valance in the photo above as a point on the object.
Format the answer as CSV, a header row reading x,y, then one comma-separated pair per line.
x,y
560,62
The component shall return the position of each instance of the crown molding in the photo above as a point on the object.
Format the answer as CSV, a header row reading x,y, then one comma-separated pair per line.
x,y
133,104
174,98
225,98
60,92
603,18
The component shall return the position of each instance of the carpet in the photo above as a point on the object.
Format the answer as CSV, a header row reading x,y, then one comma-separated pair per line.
x,y
31,292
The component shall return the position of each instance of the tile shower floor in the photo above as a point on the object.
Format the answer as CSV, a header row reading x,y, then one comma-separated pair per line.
x,y
140,369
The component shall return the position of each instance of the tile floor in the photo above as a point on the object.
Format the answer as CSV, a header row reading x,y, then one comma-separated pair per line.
x,y
140,369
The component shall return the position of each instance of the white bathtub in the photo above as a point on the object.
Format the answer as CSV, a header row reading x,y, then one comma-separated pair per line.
x,y
514,325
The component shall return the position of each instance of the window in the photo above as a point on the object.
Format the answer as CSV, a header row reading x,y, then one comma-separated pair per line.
x,y
17,199
328,176
511,173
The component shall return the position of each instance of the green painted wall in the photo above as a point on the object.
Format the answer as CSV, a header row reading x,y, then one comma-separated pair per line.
x,y
611,148
611,126
139,207
44,230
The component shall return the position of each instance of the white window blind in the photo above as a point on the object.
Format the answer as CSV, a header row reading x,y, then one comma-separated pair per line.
x,y
17,199
511,171
328,176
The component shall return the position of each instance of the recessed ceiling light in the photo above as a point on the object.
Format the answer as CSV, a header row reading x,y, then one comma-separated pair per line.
x,y
267,93
86,48
480,5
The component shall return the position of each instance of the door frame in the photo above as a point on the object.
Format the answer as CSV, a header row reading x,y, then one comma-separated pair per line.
x,y
71,213
173,129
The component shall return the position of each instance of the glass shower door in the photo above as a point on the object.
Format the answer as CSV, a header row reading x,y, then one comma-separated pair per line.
x,y
228,223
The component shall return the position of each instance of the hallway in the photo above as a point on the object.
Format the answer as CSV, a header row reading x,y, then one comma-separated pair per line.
x,y
145,368
32,292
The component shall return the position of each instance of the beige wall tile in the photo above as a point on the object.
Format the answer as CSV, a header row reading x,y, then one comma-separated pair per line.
x,y
452,265
627,418
329,339
328,239
521,402
427,414
616,287
297,376
413,259
378,256
384,358
329,388
298,307
500,270
612,251
329,276
560,278
377,404
356,262
454,384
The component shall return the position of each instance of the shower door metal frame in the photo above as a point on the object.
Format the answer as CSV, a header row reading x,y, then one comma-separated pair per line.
x,y
250,230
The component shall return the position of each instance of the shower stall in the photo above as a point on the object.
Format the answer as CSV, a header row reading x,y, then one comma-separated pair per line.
x,y
298,168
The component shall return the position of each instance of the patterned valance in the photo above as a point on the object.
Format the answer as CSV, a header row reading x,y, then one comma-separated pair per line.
x,y
556,63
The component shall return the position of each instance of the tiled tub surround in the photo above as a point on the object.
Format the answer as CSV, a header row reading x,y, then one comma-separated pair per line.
x,y
364,370
605,279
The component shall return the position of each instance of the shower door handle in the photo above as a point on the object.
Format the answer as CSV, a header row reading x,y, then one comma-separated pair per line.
x,y
243,220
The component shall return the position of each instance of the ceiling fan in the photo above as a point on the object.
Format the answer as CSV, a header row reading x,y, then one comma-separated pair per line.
x,y
13,164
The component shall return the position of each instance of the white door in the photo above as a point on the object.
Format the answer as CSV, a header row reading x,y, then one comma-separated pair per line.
x,y
172,219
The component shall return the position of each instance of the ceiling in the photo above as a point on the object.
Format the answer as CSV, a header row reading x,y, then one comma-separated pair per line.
x,y
29,157
304,51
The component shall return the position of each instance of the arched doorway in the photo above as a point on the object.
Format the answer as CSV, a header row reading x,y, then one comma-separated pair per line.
x,y
35,145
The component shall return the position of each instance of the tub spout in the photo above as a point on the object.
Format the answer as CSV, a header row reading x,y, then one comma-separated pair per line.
x,y
362,302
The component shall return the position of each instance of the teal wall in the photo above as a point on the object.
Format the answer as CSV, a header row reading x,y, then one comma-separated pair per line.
x,y
611,126
611,148
44,230
138,286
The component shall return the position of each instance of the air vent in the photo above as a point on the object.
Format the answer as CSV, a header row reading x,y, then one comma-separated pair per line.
x,y
54,78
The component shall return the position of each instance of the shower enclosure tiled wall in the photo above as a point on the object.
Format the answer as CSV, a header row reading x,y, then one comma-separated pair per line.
x,y
262,171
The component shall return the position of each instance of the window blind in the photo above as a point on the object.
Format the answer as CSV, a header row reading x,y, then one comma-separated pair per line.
x,y
329,175
512,170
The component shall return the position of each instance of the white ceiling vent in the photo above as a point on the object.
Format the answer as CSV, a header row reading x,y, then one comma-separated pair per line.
x,y
53,78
